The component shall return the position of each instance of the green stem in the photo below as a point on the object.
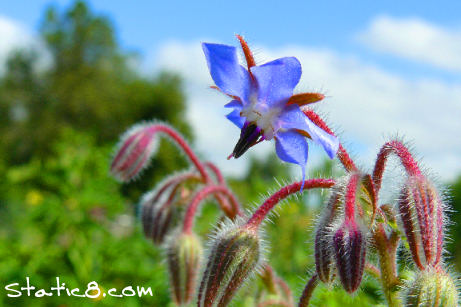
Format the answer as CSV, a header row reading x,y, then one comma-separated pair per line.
x,y
386,247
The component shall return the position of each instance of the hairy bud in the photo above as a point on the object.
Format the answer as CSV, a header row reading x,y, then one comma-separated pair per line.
x,y
234,255
133,153
431,287
349,243
184,252
162,213
323,248
421,212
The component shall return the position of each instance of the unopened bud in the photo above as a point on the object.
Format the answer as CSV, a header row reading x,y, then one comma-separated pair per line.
x,y
421,212
133,153
159,215
323,248
431,287
184,252
349,243
234,254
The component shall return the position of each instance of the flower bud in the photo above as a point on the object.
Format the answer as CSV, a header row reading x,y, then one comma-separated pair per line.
x,y
159,215
349,243
323,248
234,254
184,252
421,212
133,153
431,287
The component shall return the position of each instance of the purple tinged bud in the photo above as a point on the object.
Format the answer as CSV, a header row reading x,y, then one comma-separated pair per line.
x,y
133,153
421,212
323,248
184,252
159,215
234,254
431,287
349,243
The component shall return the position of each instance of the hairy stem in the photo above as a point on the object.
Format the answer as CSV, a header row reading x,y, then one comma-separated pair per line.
x,y
308,290
266,207
386,247
199,197
351,191
399,149
176,136
343,156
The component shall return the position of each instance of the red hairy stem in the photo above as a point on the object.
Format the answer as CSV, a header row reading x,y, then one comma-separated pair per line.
x,y
407,160
184,146
308,290
175,181
198,198
216,172
222,200
351,191
266,207
343,156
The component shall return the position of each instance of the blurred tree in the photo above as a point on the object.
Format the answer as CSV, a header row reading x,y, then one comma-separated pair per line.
x,y
91,85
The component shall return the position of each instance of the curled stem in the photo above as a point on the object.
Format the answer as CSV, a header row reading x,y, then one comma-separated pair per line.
x,y
308,290
399,149
266,207
173,134
343,156
199,197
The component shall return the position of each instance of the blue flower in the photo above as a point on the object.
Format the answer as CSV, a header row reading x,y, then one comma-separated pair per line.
x,y
261,103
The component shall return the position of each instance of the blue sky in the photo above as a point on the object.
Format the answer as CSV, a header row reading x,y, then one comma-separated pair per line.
x,y
389,67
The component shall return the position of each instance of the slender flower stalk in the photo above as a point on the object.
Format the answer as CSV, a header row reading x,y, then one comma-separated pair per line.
x,y
308,291
199,197
400,150
269,204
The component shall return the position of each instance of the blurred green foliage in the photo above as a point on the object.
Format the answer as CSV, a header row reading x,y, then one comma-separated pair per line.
x,y
62,215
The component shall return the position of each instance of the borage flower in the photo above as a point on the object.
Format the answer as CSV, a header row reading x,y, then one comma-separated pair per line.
x,y
263,104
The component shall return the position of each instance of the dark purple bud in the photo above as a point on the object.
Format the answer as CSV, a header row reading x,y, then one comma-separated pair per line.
x,y
234,255
323,248
349,243
421,212
161,214
184,252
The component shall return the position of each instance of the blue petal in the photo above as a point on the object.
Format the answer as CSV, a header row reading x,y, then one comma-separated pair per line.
x,y
293,118
234,104
276,80
292,147
235,117
229,76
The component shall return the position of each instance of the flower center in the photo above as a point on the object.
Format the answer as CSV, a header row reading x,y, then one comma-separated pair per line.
x,y
264,117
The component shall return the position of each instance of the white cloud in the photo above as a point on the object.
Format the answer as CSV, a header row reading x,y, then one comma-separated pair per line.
x,y
365,102
14,36
415,39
